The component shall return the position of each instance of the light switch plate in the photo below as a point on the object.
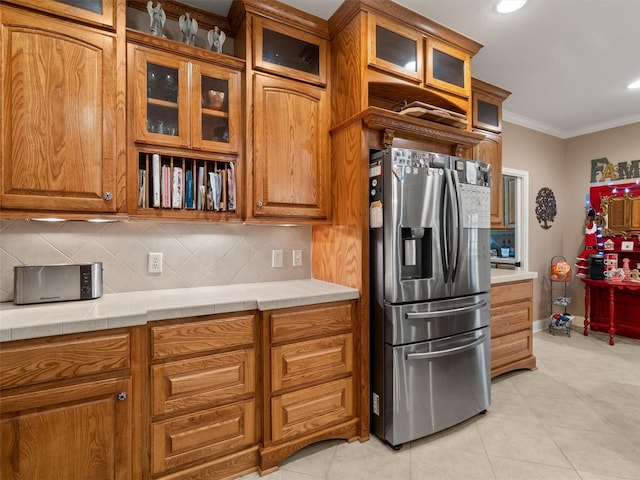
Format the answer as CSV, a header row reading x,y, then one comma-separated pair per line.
x,y
297,258
276,258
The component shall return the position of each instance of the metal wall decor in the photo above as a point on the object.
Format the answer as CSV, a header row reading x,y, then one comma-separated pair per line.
x,y
546,207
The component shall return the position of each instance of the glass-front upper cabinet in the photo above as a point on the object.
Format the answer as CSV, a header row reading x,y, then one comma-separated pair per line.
x,y
185,104
215,102
395,48
291,52
448,68
96,12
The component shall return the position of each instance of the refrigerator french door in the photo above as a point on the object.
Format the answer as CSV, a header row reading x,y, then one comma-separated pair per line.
x,y
430,283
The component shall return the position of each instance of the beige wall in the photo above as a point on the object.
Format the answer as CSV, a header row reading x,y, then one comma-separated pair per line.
x,y
565,167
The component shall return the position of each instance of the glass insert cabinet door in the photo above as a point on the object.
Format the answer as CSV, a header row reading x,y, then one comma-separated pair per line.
x,y
97,12
448,68
215,102
287,51
395,48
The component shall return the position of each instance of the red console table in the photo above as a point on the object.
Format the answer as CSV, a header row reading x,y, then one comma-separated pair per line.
x,y
604,312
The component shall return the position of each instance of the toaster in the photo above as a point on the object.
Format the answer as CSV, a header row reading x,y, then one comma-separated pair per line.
x,y
56,283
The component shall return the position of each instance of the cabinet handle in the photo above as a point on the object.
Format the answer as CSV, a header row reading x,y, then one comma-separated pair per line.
x,y
259,203
107,195
122,396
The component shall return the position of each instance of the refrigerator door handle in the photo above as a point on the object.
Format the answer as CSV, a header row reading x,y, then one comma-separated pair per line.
x,y
438,313
455,197
447,352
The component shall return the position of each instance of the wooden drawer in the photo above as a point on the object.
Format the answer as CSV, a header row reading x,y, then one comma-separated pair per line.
x,y
203,435
299,323
510,318
511,292
511,348
310,409
313,360
202,335
202,381
33,362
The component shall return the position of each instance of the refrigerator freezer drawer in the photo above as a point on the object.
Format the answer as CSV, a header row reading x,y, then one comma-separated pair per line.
x,y
435,385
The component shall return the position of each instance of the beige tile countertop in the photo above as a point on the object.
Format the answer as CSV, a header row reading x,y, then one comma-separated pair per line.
x,y
499,275
116,310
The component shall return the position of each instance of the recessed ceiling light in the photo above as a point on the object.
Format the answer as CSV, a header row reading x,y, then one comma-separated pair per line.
x,y
508,6
635,84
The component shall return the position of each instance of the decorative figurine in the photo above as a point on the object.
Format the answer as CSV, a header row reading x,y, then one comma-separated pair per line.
x,y
157,17
189,28
216,39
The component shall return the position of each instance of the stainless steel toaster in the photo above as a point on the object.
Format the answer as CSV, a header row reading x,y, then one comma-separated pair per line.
x,y
56,283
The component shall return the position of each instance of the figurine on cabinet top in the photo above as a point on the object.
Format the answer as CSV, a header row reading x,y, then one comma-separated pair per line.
x,y
157,18
189,28
216,39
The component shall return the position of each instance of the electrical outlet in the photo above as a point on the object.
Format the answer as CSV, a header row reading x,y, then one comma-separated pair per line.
x,y
297,258
154,263
276,258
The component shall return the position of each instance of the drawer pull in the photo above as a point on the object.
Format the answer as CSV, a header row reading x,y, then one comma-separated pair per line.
x,y
122,396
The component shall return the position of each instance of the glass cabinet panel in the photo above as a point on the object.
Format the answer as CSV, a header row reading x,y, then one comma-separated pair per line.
x,y
162,100
287,51
488,113
95,12
395,48
448,68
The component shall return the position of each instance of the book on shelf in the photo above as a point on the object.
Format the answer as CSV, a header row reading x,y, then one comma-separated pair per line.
x,y
176,193
142,188
188,194
166,186
155,168
201,192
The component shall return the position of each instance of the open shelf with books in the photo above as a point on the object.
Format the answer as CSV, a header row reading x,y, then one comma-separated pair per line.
x,y
177,186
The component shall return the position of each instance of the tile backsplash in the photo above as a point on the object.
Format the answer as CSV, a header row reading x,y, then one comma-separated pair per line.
x,y
194,254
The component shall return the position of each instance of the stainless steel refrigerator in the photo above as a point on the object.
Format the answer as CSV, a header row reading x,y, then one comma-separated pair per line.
x,y
430,292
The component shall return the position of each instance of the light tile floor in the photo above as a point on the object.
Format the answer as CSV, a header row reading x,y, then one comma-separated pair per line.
x,y
575,418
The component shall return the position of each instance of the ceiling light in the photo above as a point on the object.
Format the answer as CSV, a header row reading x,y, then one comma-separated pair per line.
x,y
508,6
635,84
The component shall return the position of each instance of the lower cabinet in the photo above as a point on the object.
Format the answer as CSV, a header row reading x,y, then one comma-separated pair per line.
x,y
203,406
309,382
512,327
65,411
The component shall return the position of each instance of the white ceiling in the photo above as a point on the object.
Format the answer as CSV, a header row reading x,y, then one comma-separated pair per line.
x,y
566,62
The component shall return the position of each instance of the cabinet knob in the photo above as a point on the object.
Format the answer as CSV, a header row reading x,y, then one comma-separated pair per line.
x,y
259,203
122,396
107,195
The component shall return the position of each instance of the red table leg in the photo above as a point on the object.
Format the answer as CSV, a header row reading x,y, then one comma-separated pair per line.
x,y
587,302
611,317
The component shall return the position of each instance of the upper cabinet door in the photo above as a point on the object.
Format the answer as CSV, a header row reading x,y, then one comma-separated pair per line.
x,y
487,112
60,118
395,48
291,149
97,12
448,68
161,97
215,108
290,52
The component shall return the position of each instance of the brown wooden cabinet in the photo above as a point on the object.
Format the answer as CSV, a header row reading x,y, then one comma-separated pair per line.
x,y
62,119
203,397
98,12
291,163
487,119
310,378
448,68
288,115
512,327
65,408
185,136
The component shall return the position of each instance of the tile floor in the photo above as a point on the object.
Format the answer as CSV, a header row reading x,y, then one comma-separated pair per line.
x,y
575,418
